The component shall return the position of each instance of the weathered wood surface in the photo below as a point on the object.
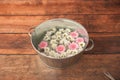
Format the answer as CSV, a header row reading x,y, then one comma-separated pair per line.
x,y
45,7
101,18
20,43
30,67
15,44
93,23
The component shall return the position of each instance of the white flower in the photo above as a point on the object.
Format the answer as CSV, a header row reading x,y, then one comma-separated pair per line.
x,y
64,35
57,55
53,29
58,37
46,50
80,49
52,53
67,30
68,51
46,38
62,41
70,38
62,55
53,41
48,33
58,33
54,46
61,30
82,44
74,52
71,52
66,42
53,37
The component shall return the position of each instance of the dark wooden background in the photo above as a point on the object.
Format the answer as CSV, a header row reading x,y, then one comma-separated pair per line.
x,y
18,60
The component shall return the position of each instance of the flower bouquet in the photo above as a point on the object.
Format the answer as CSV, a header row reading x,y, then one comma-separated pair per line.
x,y
61,42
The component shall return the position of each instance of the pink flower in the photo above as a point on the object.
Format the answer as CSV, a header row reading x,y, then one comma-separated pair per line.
x,y
60,48
73,46
74,34
43,44
79,40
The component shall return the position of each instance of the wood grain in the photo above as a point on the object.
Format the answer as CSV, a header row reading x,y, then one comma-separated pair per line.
x,y
46,7
22,24
18,60
30,67
103,23
106,43
20,43
15,44
93,23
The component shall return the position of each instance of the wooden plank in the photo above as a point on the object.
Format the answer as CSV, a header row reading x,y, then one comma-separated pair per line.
x,y
93,23
103,23
45,7
20,43
106,43
30,67
15,44
22,24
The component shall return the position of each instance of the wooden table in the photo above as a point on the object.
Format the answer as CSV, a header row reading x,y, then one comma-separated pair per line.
x,y
18,60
